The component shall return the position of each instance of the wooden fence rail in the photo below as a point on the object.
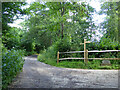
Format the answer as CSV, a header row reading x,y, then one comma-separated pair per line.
x,y
92,58
91,51
86,55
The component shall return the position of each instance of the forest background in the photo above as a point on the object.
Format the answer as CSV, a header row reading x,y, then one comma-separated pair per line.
x,y
57,26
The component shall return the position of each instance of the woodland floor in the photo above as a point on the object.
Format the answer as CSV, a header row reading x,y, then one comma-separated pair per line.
x,y
36,74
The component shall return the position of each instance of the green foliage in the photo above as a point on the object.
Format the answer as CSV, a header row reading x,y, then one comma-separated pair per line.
x,y
27,45
19,39
48,26
63,45
12,63
28,53
105,67
49,56
79,64
107,43
9,10
111,9
76,64
12,39
48,31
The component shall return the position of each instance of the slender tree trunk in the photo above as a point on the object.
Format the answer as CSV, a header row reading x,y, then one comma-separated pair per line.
x,y
58,33
62,30
62,24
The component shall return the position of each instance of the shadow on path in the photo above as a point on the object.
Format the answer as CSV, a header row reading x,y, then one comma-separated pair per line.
x,y
34,56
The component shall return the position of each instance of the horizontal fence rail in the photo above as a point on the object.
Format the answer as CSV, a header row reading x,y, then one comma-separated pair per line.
x,y
105,51
69,58
90,51
86,55
92,58
71,52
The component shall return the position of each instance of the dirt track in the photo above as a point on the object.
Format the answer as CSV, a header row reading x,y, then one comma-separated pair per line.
x,y
39,75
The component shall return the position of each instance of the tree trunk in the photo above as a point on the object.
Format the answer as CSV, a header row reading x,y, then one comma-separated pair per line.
x,y
62,30
62,24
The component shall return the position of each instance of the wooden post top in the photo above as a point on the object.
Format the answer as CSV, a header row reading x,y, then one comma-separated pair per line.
x,y
85,42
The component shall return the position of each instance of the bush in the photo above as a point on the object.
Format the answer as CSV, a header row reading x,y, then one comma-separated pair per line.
x,y
29,53
12,63
27,45
49,56
63,45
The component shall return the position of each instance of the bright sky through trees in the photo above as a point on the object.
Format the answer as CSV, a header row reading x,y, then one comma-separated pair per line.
x,y
96,17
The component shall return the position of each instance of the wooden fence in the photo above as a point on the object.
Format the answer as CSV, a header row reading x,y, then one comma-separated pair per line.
x,y
86,55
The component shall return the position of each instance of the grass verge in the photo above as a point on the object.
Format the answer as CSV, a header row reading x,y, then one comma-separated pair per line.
x,y
78,64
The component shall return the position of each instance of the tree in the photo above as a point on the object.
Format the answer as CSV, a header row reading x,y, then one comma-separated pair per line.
x,y
51,20
9,11
110,25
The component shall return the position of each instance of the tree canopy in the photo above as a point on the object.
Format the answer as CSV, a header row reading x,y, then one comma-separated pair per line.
x,y
111,9
9,10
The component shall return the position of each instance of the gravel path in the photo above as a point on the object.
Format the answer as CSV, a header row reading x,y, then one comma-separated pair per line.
x,y
39,75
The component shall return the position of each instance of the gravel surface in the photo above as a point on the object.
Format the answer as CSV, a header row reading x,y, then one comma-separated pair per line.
x,y
36,74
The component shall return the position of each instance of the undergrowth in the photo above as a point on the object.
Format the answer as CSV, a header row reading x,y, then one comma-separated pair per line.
x,y
49,56
79,64
12,63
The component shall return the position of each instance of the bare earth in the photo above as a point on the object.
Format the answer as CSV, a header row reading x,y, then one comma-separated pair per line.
x,y
39,75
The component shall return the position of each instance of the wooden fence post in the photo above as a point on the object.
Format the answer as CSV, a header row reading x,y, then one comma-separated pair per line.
x,y
84,50
86,61
58,57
